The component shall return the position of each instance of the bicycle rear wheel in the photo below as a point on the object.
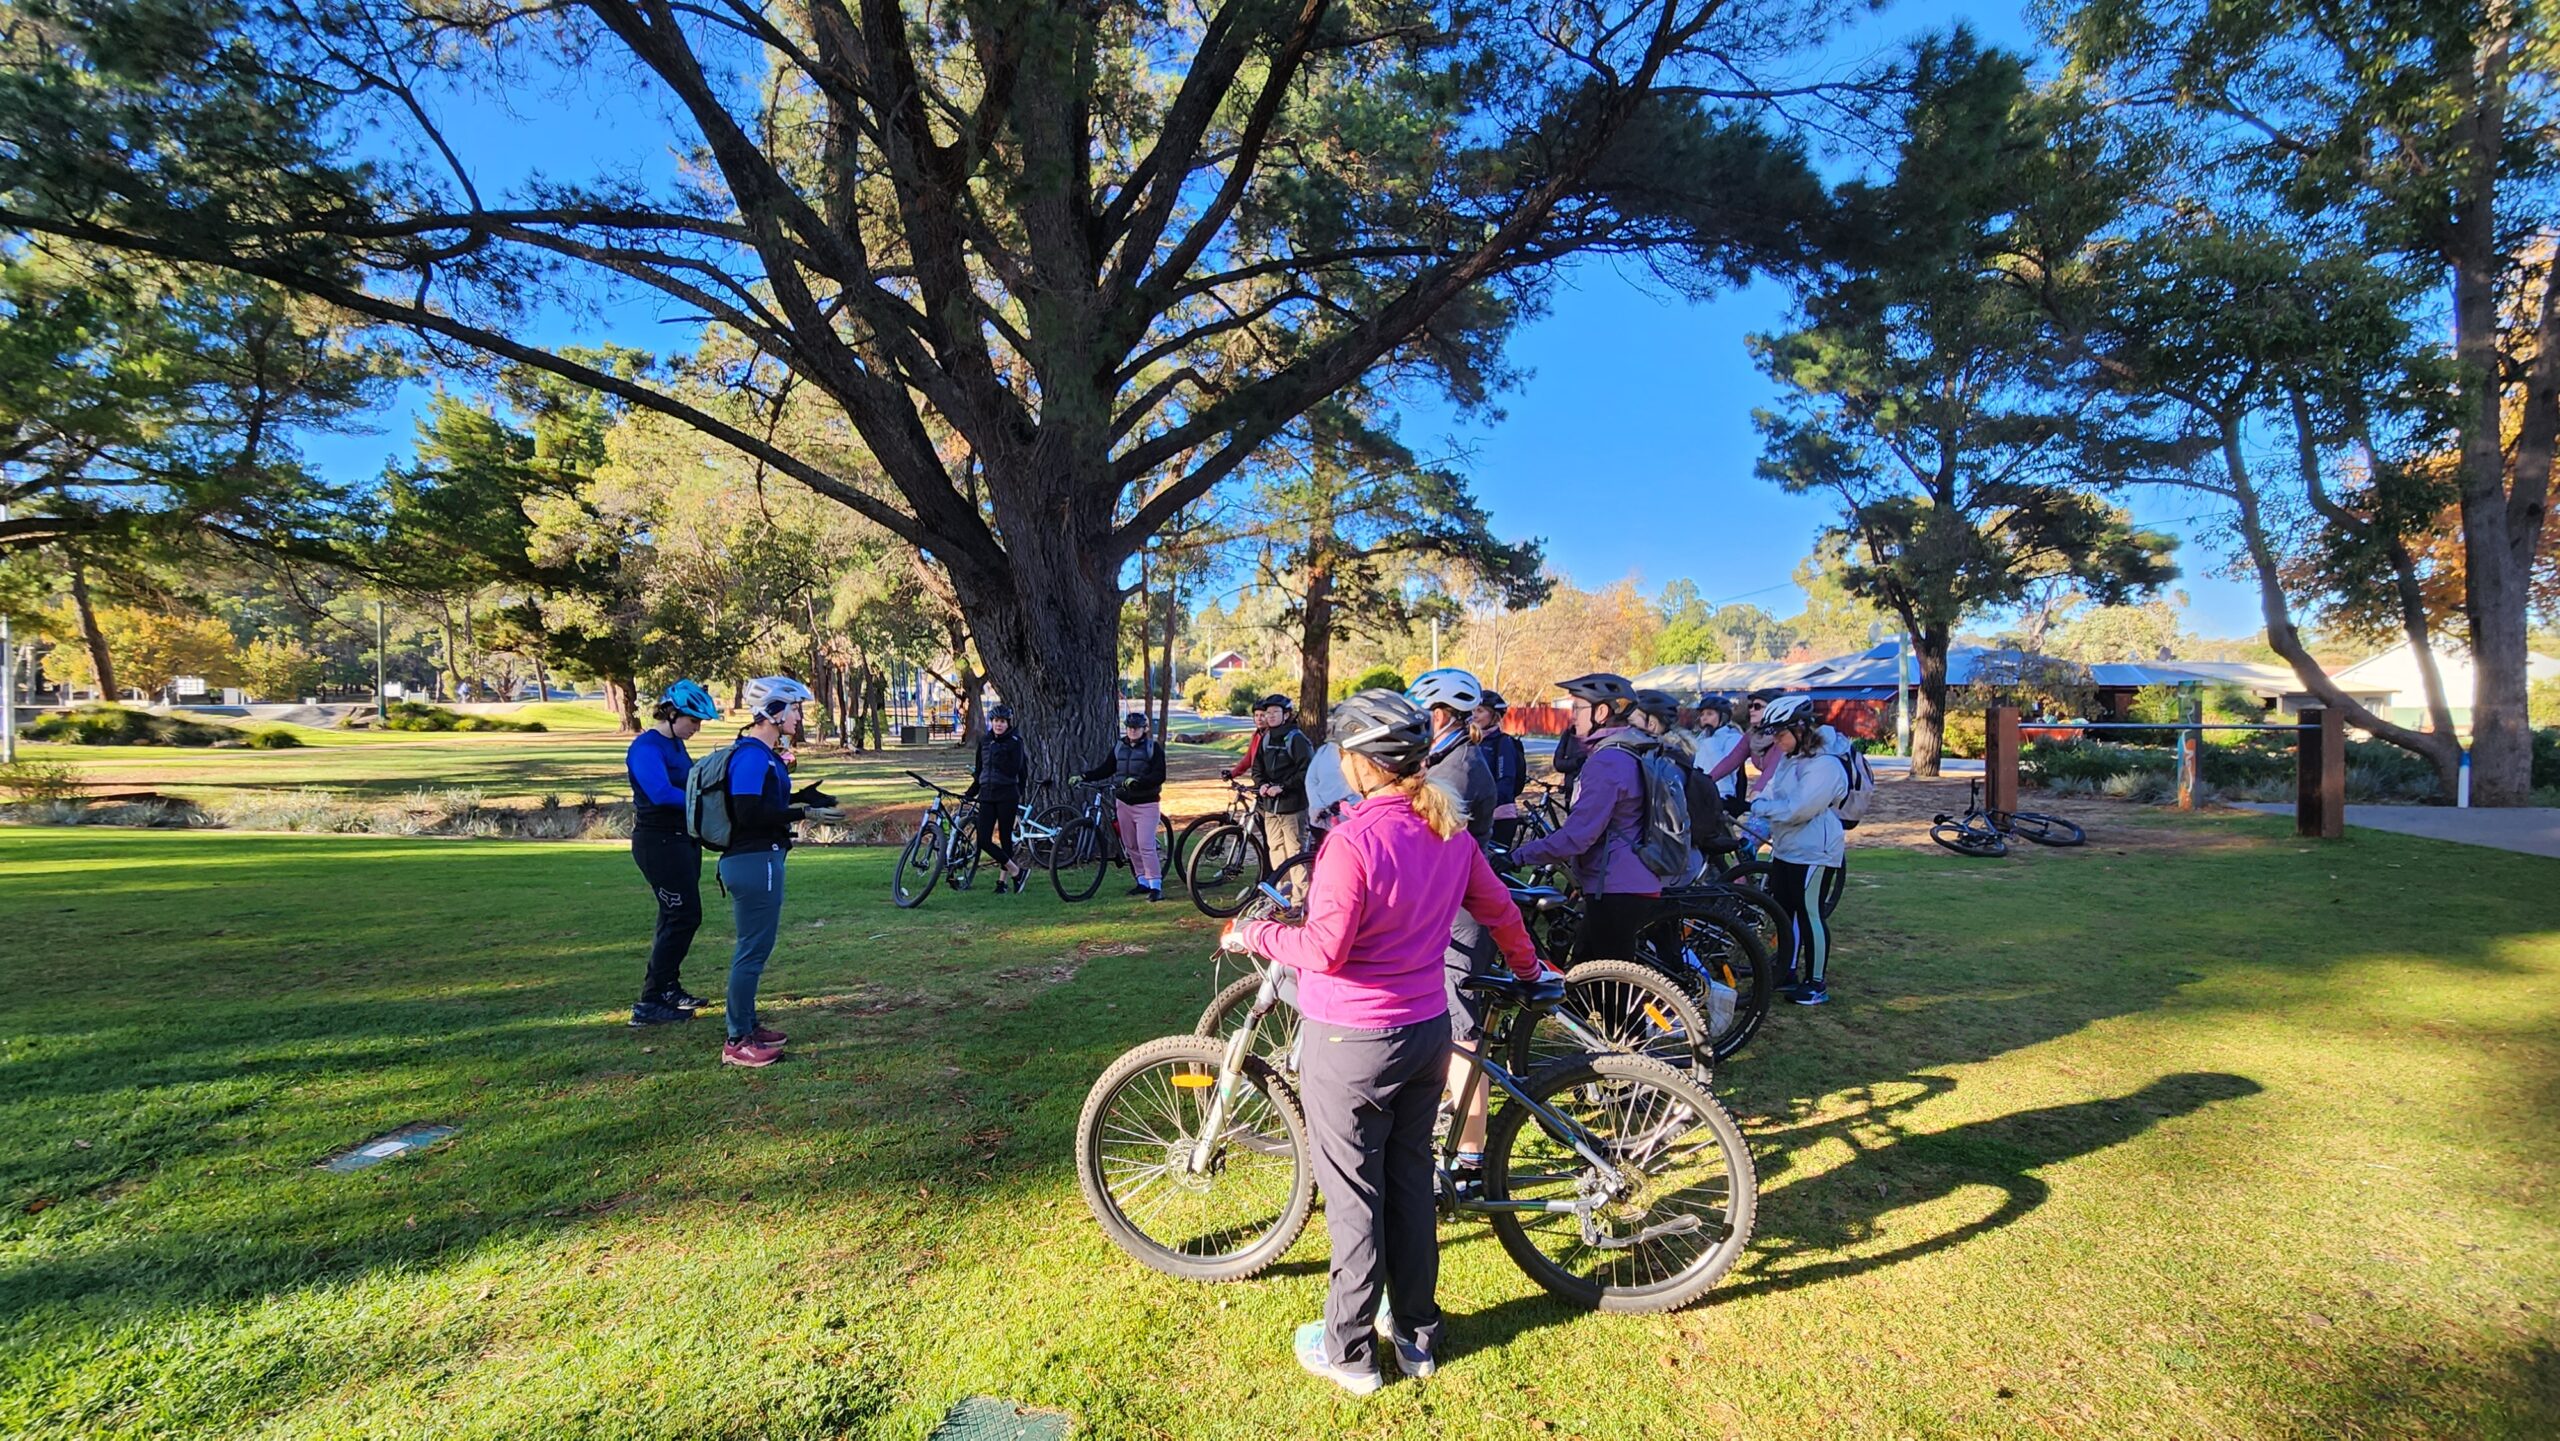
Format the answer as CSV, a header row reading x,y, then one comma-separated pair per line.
x,y
919,867
1667,1234
2045,830
1133,1150
1965,840
1622,1008
1185,839
1225,870
1077,860
1040,834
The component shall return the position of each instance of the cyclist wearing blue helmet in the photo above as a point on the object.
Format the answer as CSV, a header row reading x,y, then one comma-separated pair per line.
x,y
670,859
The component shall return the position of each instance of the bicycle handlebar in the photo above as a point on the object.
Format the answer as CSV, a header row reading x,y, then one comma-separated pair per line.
x,y
936,789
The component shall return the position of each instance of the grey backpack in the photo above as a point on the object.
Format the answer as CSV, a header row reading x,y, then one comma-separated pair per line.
x,y
706,799
1663,843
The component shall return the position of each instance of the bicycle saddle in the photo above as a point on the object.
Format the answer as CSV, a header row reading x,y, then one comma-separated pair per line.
x,y
1537,898
1504,989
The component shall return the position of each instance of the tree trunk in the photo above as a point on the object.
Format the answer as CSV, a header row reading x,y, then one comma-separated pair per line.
x,y
622,697
1929,703
1047,624
1315,649
2498,555
541,677
101,664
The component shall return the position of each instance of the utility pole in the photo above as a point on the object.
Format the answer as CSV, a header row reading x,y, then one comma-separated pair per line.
x,y
381,701
1435,642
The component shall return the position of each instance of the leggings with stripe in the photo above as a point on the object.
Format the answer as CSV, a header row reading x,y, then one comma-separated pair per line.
x,y
1799,889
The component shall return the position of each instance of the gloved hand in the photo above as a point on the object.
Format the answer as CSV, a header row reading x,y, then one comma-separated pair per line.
x,y
1231,941
810,795
1736,806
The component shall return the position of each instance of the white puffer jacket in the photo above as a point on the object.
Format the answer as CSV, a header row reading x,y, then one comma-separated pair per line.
x,y
1795,803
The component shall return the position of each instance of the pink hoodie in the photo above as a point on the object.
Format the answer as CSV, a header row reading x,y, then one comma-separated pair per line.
x,y
1378,911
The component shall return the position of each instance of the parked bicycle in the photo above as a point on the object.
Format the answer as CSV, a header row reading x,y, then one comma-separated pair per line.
x,y
944,847
1228,861
1088,846
1239,813
1611,1180
1725,948
1982,831
1619,1007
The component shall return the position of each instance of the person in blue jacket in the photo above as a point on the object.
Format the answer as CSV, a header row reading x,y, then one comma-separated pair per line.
x,y
761,815
668,857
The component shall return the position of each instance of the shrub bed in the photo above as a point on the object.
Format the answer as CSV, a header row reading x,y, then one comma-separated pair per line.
x,y
410,715
115,725
2260,769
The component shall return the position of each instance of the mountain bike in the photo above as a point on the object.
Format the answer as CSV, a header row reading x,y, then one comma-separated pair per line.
x,y
1618,1007
1239,812
1087,847
1982,831
1723,948
1612,1180
945,845
1228,862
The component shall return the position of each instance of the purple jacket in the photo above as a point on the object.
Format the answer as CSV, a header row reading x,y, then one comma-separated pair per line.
x,y
1599,836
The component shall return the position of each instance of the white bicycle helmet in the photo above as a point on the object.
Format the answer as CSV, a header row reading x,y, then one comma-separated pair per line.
x,y
1788,712
770,695
1448,686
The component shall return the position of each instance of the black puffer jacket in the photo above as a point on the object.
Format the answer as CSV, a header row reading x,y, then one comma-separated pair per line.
x,y
1004,764
1139,766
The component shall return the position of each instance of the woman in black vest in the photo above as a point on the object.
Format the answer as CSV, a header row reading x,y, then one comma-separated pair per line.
x,y
1137,763
996,784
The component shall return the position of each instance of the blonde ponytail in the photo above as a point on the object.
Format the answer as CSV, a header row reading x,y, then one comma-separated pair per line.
x,y
1439,806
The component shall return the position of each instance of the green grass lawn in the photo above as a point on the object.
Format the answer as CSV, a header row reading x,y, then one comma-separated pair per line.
x,y
2250,1139
518,768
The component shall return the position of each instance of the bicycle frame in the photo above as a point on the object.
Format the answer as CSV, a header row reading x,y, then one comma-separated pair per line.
x,y
1486,1071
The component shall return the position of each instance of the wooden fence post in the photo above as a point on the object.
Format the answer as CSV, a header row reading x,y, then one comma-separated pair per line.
x,y
2000,760
2320,775
2191,752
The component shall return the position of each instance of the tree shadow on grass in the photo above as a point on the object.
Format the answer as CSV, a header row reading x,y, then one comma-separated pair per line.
x,y
1825,1227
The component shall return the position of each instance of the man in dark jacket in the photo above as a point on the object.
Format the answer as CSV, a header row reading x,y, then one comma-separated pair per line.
x,y
1280,781
1136,764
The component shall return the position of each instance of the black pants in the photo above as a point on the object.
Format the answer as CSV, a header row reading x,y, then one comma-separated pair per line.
x,y
1609,926
998,808
672,862
1798,888
1506,832
1372,1099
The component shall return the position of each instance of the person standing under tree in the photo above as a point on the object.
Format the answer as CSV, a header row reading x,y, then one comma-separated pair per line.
x,y
1280,781
996,781
761,815
1136,765
669,859
1798,803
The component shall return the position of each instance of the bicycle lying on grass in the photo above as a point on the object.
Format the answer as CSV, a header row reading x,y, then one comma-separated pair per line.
x,y
1981,831
1611,1180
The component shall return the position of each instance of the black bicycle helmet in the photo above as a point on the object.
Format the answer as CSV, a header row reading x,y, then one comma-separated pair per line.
x,y
1134,721
1492,700
1599,688
1000,711
1385,727
1286,705
1661,705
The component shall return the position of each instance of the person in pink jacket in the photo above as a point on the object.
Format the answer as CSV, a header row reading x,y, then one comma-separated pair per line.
x,y
1374,1049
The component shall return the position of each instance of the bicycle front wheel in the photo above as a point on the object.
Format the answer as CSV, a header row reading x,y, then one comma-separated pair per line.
x,y
919,867
1723,966
963,864
1275,1036
1225,870
1679,1214
1613,1007
1077,860
1134,1148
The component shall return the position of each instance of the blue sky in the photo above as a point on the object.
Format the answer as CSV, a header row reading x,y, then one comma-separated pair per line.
x,y
1628,448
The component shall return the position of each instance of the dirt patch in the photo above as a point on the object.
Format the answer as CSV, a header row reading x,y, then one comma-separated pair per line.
x,y
1905,808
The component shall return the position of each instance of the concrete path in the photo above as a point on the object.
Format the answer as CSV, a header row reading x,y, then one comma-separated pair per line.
x,y
2532,830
